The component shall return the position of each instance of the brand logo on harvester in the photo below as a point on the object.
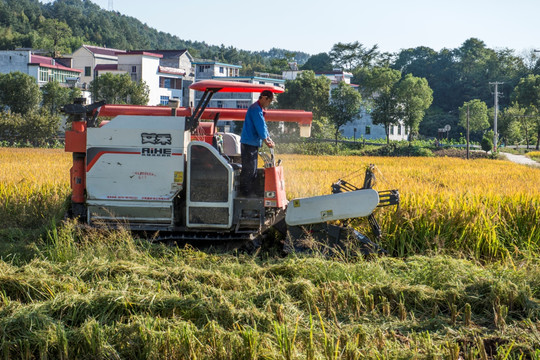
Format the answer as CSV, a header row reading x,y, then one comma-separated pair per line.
x,y
156,152
153,138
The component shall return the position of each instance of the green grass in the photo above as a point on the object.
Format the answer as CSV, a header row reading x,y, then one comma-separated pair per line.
x,y
534,155
78,294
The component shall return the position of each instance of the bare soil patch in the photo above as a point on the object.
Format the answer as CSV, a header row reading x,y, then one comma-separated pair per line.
x,y
460,153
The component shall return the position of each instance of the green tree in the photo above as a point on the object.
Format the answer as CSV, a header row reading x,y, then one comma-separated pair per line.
x,y
478,115
513,125
55,96
379,85
373,81
344,106
19,92
306,92
435,119
320,62
119,89
58,34
527,95
414,97
36,128
349,56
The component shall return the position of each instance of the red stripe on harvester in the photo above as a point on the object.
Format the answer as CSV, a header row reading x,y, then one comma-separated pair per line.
x,y
99,154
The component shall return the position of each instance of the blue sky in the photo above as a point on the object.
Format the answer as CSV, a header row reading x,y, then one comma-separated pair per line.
x,y
314,26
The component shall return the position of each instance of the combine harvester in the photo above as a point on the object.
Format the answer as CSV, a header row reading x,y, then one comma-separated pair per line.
x,y
162,170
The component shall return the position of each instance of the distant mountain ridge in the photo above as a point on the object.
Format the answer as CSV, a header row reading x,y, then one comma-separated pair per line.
x,y
63,25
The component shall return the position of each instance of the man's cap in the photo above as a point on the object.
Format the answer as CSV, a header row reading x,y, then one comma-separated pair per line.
x,y
268,94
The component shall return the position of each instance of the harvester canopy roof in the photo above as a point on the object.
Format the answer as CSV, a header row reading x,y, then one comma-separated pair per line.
x,y
233,86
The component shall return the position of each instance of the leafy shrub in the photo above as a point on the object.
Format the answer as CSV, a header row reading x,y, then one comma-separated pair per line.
x,y
399,150
487,142
309,148
32,129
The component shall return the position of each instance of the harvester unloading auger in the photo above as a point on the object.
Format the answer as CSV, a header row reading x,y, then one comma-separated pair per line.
x,y
161,170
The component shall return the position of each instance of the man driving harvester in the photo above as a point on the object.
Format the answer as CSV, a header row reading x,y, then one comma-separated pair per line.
x,y
254,133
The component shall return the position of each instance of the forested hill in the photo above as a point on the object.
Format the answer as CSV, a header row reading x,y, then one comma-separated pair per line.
x,y
62,26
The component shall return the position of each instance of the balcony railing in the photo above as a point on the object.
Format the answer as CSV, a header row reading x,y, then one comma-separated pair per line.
x,y
268,75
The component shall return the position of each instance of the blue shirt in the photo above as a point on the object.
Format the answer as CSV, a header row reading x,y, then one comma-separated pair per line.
x,y
254,130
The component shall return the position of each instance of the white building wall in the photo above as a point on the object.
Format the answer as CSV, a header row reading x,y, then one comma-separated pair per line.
x,y
169,93
34,72
364,122
150,75
11,61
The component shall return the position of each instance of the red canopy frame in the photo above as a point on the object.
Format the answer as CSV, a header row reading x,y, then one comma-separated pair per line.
x,y
210,87
233,86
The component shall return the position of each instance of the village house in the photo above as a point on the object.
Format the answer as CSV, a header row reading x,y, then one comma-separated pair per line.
x,y
44,69
205,70
167,73
87,57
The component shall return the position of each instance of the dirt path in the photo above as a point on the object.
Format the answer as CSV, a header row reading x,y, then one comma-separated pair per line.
x,y
520,159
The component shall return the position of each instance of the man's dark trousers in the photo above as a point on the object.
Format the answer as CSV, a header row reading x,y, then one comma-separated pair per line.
x,y
248,176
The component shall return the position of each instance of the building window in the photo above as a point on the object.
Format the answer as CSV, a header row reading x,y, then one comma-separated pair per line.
x,y
242,104
399,130
48,75
368,130
170,83
134,69
221,70
87,71
392,129
163,100
220,104
43,74
203,68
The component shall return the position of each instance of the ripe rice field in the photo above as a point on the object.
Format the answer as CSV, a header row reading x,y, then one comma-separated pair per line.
x,y
483,208
463,281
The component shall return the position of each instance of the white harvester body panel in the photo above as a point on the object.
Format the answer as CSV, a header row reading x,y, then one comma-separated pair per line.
x,y
135,168
317,209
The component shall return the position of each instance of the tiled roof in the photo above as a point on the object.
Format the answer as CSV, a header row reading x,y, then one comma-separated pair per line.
x,y
171,70
103,51
333,72
48,62
168,53
137,52
211,62
104,67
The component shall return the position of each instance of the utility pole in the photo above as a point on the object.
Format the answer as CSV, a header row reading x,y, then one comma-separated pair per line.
x,y
496,94
111,6
467,131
